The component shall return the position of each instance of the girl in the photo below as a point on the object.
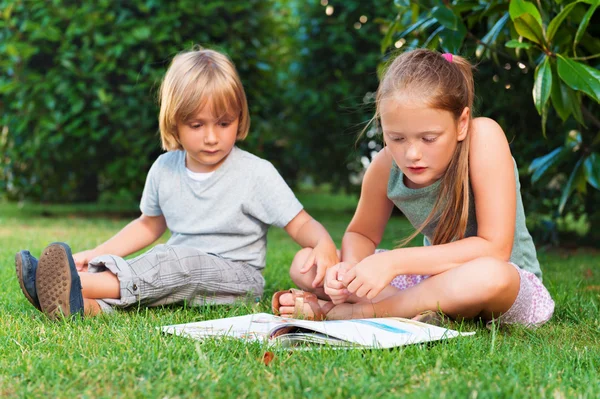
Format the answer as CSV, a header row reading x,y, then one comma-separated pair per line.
x,y
455,180
217,200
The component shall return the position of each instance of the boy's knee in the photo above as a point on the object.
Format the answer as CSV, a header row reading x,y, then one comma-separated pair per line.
x,y
297,264
300,259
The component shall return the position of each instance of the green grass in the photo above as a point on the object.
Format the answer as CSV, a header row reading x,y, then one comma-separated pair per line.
x,y
123,355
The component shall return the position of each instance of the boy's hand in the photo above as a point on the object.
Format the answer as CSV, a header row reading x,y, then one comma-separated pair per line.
x,y
324,255
82,258
334,286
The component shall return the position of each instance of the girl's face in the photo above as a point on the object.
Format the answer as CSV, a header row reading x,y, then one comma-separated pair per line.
x,y
421,139
207,140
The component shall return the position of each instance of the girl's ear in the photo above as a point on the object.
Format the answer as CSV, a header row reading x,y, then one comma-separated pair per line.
x,y
463,124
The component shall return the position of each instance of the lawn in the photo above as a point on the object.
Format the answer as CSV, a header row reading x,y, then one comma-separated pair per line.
x,y
123,355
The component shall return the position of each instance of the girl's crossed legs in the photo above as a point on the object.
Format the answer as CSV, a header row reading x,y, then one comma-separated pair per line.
x,y
484,287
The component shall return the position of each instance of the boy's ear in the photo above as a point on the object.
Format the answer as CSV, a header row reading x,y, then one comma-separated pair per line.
x,y
463,124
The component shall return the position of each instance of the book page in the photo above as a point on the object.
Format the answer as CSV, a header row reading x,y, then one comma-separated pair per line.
x,y
252,327
370,333
377,333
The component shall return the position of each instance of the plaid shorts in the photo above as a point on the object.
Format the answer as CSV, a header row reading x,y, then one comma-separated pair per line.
x,y
169,274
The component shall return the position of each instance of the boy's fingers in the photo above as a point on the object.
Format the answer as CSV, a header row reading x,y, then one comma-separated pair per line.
x,y
310,262
320,276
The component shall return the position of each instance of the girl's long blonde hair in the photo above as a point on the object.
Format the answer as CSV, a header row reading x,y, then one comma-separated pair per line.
x,y
430,77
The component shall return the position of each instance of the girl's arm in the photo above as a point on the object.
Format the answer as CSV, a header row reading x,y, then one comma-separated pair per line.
x,y
137,235
366,229
309,233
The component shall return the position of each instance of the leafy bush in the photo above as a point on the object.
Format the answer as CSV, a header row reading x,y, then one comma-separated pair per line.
x,y
331,79
557,43
78,84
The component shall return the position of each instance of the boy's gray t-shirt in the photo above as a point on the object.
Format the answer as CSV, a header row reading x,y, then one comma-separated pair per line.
x,y
227,214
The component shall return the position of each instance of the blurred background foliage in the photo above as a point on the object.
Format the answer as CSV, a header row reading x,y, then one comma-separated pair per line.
x,y
78,82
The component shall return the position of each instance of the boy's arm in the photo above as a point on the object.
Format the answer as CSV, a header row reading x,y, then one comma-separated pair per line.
x,y
138,234
307,232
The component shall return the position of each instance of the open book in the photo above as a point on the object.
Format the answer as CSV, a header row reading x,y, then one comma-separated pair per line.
x,y
366,333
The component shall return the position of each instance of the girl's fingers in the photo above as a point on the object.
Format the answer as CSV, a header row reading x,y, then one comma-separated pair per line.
x,y
335,292
349,277
362,291
373,293
354,286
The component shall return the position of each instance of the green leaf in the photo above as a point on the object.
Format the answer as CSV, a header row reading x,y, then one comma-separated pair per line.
x,y
584,23
577,174
521,7
527,26
544,119
575,101
592,170
542,85
540,165
517,44
579,76
448,19
492,35
402,3
431,40
555,23
423,23
560,97
451,41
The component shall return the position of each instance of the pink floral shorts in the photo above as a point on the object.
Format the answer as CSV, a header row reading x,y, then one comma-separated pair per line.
x,y
532,308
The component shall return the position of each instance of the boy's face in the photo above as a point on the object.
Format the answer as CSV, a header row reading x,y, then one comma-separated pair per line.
x,y
207,140
421,139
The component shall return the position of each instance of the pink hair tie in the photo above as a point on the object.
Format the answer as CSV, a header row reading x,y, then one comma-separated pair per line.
x,y
447,56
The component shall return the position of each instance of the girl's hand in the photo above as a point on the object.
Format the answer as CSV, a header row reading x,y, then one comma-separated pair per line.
x,y
82,258
369,277
334,287
324,255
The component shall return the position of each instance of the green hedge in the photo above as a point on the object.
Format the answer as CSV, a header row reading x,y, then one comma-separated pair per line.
x,y
78,86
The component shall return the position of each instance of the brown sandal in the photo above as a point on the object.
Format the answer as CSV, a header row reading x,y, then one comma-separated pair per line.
x,y
300,298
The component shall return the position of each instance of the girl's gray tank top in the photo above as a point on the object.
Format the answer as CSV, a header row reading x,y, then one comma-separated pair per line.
x,y
416,205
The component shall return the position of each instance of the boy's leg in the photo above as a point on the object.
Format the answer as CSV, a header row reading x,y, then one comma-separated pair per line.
x,y
486,287
101,285
169,274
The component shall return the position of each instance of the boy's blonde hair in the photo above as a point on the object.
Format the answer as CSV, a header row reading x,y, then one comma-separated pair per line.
x,y
195,79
